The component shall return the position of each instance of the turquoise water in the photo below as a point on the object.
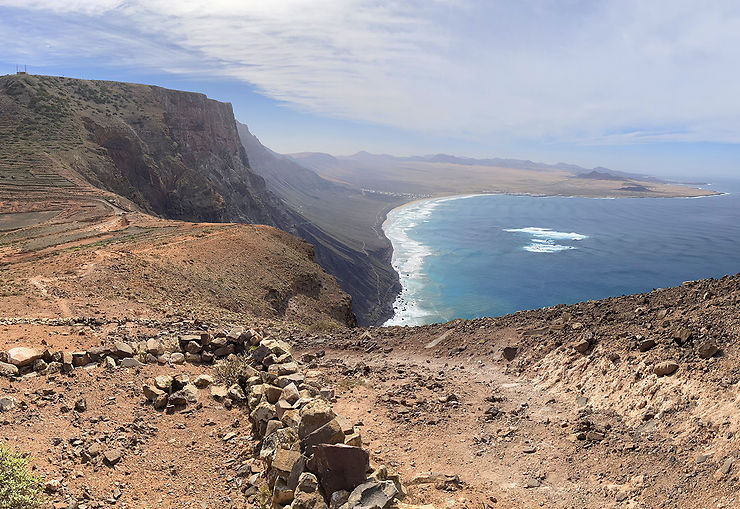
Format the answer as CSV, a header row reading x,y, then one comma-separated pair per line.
x,y
491,255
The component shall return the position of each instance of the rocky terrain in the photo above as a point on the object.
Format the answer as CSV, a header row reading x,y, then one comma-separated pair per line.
x,y
135,402
151,362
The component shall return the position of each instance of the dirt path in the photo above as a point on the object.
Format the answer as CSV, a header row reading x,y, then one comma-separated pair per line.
x,y
511,442
41,283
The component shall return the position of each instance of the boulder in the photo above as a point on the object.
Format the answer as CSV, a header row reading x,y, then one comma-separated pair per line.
x,y
509,352
122,350
307,495
581,346
290,393
177,358
154,347
340,467
130,362
646,345
707,349
372,495
329,433
314,415
665,368
8,369
80,359
219,392
7,403
151,392
22,356
163,382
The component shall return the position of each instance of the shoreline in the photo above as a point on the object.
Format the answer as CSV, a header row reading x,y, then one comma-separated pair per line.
x,y
394,299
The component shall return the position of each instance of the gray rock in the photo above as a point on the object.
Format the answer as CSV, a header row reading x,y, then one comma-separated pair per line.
x,y
8,369
509,352
177,358
707,349
372,495
151,392
121,349
314,415
290,393
154,347
192,347
112,457
646,345
40,366
581,346
340,467
203,381
130,362
81,358
7,403
81,405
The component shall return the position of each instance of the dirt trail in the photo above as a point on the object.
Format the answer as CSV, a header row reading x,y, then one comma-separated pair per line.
x,y
41,283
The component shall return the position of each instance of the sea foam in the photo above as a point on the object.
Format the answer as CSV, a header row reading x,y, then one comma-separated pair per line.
x,y
543,239
408,260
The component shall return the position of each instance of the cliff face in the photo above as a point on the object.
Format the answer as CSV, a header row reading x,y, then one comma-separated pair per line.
x,y
342,222
175,154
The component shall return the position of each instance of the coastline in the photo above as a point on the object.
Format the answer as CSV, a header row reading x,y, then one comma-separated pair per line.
x,y
396,299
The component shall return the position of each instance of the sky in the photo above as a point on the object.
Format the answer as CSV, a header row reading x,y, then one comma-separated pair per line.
x,y
646,86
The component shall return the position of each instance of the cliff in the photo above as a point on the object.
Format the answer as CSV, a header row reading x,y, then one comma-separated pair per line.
x,y
342,222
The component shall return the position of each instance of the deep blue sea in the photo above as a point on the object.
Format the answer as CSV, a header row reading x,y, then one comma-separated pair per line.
x,y
490,255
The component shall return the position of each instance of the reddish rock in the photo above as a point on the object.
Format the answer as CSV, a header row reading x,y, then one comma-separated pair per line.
x,y
22,356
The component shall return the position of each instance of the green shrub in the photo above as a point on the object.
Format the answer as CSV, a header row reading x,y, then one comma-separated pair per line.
x,y
19,489
323,326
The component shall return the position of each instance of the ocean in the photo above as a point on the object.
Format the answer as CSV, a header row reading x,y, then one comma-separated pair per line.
x,y
490,255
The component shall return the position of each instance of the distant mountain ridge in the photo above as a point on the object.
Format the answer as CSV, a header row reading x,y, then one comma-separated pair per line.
x,y
525,164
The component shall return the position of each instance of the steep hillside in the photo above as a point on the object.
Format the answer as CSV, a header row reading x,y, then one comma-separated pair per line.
x,y
175,154
343,222
87,259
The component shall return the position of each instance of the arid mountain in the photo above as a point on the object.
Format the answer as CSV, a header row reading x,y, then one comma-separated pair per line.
x,y
175,154
443,175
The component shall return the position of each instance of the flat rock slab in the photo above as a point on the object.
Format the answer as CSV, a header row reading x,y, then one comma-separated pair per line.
x,y
22,356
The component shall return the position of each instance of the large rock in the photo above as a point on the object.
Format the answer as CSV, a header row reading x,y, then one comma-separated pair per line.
x,y
7,403
314,415
8,369
372,495
665,368
329,433
707,349
122,350
340,467
22,356
307,495
154,347
151,392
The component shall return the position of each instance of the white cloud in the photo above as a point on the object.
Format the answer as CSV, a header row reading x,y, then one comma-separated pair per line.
x,y
620,71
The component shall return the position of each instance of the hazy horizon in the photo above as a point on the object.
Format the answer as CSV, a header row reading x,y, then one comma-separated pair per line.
x,y
645,88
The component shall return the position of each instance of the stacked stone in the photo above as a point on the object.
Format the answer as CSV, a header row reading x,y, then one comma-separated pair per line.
x,y
313,459
201,347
